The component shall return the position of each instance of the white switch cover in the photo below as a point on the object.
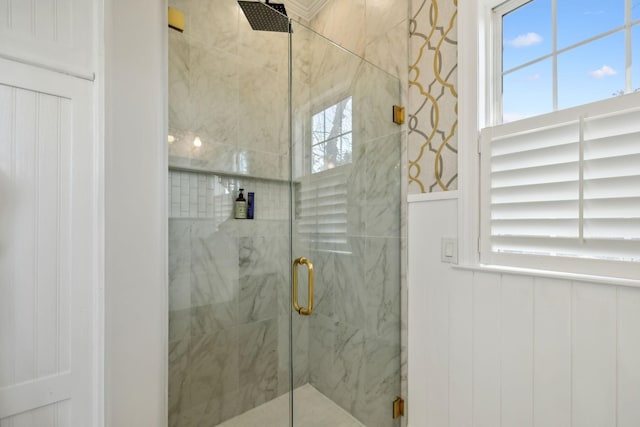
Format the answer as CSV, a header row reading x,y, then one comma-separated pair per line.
x,y
449,250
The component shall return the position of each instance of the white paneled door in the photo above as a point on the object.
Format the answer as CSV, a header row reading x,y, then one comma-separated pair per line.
x,y
48,248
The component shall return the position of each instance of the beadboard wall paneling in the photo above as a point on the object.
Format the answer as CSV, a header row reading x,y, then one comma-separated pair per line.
x,y
48,249
56,34
515,350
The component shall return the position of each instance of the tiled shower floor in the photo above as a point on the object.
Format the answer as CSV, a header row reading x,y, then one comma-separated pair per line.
x,y
311,409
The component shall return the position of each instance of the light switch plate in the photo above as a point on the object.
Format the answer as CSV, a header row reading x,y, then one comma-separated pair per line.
x,y
449,250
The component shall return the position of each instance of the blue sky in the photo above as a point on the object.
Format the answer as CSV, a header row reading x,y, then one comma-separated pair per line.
x,y
585,74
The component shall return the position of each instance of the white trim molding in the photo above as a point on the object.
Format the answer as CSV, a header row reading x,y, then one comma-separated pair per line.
x,y
306,10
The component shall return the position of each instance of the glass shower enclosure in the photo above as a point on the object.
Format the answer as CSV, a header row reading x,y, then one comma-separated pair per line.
x,y
291,318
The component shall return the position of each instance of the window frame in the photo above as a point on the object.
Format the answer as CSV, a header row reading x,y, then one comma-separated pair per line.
x,y
326,141
310,181
500,9
476,56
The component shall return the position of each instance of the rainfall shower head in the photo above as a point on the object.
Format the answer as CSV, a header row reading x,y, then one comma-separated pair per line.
x,y
266,16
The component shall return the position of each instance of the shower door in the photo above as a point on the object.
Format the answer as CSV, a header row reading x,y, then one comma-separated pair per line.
x,y
346,236
306,127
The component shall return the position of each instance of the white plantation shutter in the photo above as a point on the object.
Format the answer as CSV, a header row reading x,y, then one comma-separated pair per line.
x,y
564,185
322,209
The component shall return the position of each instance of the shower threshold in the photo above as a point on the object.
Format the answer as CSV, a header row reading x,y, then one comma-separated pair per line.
x,y
311,409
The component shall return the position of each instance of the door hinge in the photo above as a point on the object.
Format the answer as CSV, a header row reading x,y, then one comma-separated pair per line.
x,y
398,114
398,408
176,19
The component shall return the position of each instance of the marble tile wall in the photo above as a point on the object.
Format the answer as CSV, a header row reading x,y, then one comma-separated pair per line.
x,y
228,299
375,30
228,88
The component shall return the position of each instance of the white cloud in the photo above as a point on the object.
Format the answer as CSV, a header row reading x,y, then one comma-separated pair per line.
x,y
525,40
534,77
604,71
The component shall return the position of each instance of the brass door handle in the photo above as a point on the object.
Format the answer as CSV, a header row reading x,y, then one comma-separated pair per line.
x,y
309,309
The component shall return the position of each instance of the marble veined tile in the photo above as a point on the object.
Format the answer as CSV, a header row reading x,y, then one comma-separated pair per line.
x,y
333,72
301,55
253,253
385,51
178,363
179,81
264,49
348,284
179,246
263,105
213,317
179,291
322,336
382,219
382,380
214,265
214,23
211,155
300,352
262,254
258,296
214,94
382,287
213,366
258,361
325,282
348,371
179,324
374,92
383,174
344,23
382,16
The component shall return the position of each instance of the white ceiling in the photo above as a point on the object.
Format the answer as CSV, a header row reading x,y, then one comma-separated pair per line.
x,y
305,9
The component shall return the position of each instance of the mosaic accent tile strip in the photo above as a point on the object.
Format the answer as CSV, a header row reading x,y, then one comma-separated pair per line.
x,y
202,195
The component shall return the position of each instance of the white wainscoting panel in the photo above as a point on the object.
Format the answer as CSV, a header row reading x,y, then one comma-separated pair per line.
x,y
594,355
56,34
516,358
628,357
48,248
486,349
460,342
429,334
552,353
516,350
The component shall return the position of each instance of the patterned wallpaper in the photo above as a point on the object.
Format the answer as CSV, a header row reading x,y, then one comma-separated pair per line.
x,y
433,98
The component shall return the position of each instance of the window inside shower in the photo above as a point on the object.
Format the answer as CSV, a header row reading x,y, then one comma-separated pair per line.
x,y
332,136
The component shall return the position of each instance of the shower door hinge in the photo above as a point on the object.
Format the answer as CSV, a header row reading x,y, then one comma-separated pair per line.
x,y
176,19
398,408
398,114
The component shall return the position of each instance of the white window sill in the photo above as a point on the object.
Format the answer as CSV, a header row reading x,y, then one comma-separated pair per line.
x,y
605,280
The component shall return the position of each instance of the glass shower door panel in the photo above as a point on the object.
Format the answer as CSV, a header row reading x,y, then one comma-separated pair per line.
x,y
229,288
346,190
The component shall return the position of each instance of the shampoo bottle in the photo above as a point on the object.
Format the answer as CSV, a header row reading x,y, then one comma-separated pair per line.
x,y
251,198
240,207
